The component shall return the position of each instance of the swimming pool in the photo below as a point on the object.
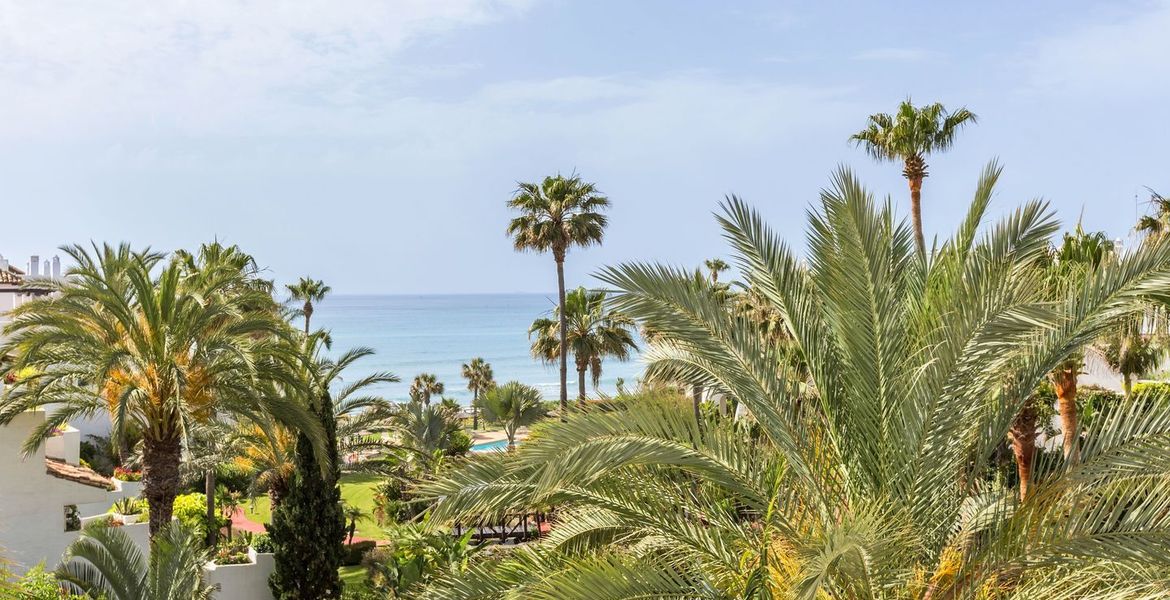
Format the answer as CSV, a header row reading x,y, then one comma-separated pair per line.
x,y
489,446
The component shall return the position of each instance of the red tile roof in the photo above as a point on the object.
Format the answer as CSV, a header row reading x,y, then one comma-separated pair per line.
x,y
77,474
11,275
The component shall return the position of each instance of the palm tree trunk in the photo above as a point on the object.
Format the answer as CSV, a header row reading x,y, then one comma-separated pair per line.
x,y
209,492
160,479
696,398
475,409
1126,385
308,315
916,213
564,336
1064,381
581,384
1023,438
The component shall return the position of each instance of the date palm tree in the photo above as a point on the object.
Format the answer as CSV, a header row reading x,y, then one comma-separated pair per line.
x,y
266,449
104,562
353,514
1157,224
555,215
1078,254
308,291
126,335
424,386
909,136
866,475
595,332
480,378
513,405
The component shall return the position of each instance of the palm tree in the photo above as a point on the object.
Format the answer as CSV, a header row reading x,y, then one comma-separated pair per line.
x,y
104,562
308,291
156,350
909,135
424,386
594,332
425,430
1157,224
715,266
1078,255
353,514
266,449
867,474
513,405
480,378
555,215
1130,353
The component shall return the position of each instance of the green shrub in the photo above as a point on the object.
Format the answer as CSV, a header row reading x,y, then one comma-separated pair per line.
x,y
458,444
1159,389
262,543
1092,400
37,584
355,552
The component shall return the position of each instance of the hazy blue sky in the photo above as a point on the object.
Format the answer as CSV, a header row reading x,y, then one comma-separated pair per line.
x,y
373,144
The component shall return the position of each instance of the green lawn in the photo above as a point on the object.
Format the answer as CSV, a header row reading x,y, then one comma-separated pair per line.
x,y
354,577
356,490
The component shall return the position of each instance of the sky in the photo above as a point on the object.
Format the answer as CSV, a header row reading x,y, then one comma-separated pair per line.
x,y
373,143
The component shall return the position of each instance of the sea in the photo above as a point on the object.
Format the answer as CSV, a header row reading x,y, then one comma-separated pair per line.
x,y
439,333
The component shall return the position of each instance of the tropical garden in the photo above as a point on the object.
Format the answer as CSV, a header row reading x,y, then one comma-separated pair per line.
x,y
880,416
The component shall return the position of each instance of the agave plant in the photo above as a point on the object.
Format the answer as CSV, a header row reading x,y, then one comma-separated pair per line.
x,y
862,474
105,563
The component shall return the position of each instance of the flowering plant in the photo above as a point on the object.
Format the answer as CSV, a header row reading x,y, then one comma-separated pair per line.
x,y
127,474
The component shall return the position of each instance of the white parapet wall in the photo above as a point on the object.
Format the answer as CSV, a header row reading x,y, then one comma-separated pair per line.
x,y
32,502
65,445
242,582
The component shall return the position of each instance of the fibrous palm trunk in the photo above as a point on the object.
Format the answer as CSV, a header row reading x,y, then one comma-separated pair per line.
x,y
581,383
1023,438
1064,381
308,309
560,258
475,409
915,172
160,479
209,492
696,398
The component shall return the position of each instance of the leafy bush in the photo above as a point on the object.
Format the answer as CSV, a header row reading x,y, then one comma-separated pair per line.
x,y
262,543
37,584
1158,389
458,443
233,551
1091,400
355,552
416,556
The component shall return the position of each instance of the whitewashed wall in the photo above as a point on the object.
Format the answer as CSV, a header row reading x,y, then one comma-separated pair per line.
x,y
242,582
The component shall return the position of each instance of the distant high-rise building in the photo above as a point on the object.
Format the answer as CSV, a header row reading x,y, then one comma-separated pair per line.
x,y
34,266
56,267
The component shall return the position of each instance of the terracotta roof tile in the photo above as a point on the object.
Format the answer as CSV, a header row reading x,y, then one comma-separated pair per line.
x,y
77,474
11,275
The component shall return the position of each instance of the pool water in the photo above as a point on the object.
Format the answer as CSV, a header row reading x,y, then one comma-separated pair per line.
x,y
489,446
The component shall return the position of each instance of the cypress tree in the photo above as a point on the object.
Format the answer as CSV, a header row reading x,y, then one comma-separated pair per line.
x,y
308,528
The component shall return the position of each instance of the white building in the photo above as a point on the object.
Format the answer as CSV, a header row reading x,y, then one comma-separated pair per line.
x,y
13,288
45,496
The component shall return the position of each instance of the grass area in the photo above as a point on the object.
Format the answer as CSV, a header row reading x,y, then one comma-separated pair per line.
x,y
354,577
357,489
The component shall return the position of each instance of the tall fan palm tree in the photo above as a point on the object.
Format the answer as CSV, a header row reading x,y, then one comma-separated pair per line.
x,y
308,291
513,405
149,349
1157,224
869,478
715,266
594,333
480,378
556,215
424,386
909,135
104,562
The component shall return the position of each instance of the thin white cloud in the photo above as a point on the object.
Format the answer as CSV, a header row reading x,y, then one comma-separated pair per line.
x,y
192,66
895,55
1115,56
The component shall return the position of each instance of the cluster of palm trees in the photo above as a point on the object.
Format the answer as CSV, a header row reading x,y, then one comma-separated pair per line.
x,y
556,215
862,468
879,382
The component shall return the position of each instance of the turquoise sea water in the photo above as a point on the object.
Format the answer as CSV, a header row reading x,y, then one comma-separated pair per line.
x,y
438,333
